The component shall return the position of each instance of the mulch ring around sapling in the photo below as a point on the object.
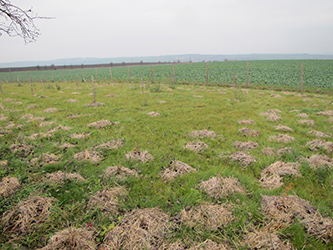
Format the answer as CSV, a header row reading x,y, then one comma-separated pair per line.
x,y
268,151
140,229
61,177
244,158
318,134
119,172
247,122
24,216
94,104
107,200
22,149
50,110
320,161
208,245
282,138
80,135
45,159
208,216
91,156
307,122
196,146
218,187
283,210
153,114
249,132
110,145
176,168
72,238
320,144
8,186
143,156
283,128
100,124
203,134
245,145
327,113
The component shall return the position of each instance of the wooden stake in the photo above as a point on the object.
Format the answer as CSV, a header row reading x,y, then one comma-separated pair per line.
x,y
30,78
82,73
302,77
247,74
174,75
129,75
93,88
32,90
207,74
70,72
96,75
77,80
25,77
61,76
111,73
152,74
52,76
1,86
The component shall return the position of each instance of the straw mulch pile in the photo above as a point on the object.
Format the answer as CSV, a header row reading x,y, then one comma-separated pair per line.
x,y
282,138
244,158
249,132
202,134
119,172
50,110
100,124
283,128
44,124
320,144
8,186
4,163
45,159
271,175
107,200
307,122
92,156
208,245
327,113
302,115
80,135
245,145
320,161
283,210
208,216
94,104
67,146
111,95
218,187
246,122
143,156
140,229
268,151
196,146
318,134
61,177
270,112
72,239
23,149
273,118
285,150
26,214
72,100
176,168
111,145
153,114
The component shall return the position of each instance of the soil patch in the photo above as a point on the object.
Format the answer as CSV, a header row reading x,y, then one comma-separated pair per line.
x,y
307,122
45,159
196,146
100,124
107,200
283,128
92,156
72,238
61,177
50,110
244,158
245,145
249,132
8,186
22,217
176,168
208,216
319,161
119,172
111,145
153,114
140,229
143,156
218,187
282,138
76,93
330,120
202,134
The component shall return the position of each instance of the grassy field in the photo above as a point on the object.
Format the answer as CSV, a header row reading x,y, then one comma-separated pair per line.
x,y
165,167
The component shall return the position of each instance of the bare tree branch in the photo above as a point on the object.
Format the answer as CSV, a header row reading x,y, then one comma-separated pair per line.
x,y
18,22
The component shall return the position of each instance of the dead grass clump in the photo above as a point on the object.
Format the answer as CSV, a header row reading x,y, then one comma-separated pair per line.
x,y
264,239
80,135
307,122
327,113
218,187
285,150
143,156
140,229
111,145
282,138
319,161
245,145
59,127
208,216
318,134
302,115
50,110
31,106
249,132
271,175
73,239
22,217
283,128
273,118
8,100
4,163
61,177
153,114
8,186
318,144
66,146
119,172
21,148
270,112
94,104
176,168
208,245
330,120
111,95
100,124
72,100
284,209
3,117
45,159
27,116
268,151
73,116
244,158
196,146
44,124
246,122
92,156
202,134
107,200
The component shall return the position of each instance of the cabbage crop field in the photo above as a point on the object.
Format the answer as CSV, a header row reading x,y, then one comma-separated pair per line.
x,y
272,73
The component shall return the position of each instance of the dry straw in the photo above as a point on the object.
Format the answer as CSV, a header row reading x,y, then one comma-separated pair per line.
x,y
320,161
196,146
8,186
92,156
61,177
203,134
245,145
284,128
119,172
282,138
111,145
143,156
45,159
249,132
176,168
244,158
246,122
100,124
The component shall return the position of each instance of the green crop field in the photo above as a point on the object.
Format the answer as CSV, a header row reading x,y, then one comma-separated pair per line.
x,y
164,166
278,73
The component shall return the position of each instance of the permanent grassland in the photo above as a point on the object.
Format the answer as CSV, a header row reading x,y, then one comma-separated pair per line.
x,y
185,108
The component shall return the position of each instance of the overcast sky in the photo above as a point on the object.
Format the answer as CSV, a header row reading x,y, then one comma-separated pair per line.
x,y
118,28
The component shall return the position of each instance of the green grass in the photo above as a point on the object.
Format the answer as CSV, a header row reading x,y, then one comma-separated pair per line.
x,y
163,137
